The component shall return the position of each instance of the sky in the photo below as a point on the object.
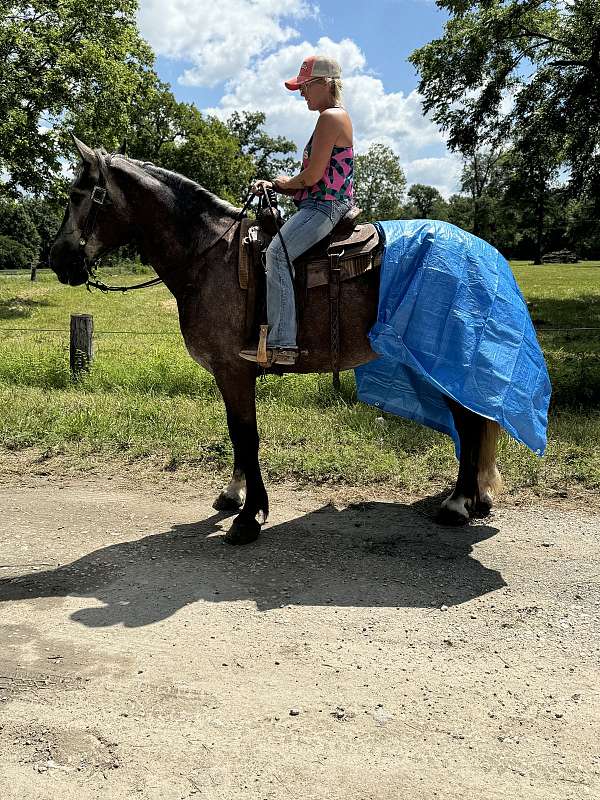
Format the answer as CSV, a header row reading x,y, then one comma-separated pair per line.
x,y
233,55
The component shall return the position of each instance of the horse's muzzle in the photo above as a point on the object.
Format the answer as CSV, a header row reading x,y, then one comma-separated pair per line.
x,y
69,265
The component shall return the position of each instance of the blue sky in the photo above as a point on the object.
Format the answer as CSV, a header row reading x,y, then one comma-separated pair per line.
x,y
234,55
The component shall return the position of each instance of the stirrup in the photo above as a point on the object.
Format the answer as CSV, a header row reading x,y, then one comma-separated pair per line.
x,y
285,356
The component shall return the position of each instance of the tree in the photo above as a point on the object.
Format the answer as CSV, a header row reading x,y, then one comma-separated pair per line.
x,y
427,202
271,155
459,211
477,176
17,225
13,255
379,183
495,51
68,65
209,154
46,218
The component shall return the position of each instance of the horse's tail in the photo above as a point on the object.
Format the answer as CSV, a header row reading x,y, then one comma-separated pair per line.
x,y
489,478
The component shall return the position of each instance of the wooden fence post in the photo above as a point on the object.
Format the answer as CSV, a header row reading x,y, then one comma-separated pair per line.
x,y
82,329
33,272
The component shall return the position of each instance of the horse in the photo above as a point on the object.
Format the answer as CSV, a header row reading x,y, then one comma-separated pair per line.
x,y
191,238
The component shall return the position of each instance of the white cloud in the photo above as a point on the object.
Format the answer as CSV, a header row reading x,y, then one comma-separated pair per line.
x,y
218,38
392,118
443,173
250,47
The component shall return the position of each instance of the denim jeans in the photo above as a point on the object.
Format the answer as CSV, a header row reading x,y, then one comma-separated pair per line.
x,y
313,221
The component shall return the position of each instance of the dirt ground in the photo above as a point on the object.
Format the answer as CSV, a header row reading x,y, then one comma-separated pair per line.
x,y
355,652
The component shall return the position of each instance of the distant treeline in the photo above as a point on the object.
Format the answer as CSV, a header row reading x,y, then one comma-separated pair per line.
x,y
494,210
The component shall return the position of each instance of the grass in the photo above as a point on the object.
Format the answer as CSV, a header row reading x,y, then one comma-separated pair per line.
x,y
145,397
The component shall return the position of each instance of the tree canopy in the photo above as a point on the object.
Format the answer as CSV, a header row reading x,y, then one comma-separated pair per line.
x,y
500,59
380,182
61,61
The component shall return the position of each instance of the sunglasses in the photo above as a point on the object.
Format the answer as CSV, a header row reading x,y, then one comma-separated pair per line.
x,y
307,83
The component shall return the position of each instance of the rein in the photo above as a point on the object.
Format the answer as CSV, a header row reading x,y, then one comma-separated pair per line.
x,y
99,199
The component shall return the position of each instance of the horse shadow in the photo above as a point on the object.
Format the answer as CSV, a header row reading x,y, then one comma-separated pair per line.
x,y
368,554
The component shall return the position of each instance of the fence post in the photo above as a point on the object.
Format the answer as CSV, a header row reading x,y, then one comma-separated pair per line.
x,y
82,329
33,272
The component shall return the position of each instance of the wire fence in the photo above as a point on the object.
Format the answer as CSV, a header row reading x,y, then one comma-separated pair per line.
x,y
97,332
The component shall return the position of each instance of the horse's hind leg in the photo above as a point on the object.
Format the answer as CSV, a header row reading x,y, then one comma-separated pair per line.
x,y
478,477
489,480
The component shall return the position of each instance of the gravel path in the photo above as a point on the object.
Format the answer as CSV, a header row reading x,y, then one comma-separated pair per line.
x,y
353,653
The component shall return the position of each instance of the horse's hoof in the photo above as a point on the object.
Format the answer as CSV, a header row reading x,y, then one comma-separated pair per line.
x,y
226,503
243,531
482,509
449,516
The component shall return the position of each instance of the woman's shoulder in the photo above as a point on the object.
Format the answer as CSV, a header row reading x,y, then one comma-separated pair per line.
x,y
335,113
338,122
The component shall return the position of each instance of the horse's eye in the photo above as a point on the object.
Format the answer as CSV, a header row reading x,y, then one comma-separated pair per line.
x,y
76,199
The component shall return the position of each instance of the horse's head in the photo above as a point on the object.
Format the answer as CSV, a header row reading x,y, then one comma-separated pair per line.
x,y
96,219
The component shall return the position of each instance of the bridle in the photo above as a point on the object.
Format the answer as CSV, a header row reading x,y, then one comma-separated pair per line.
x,y
100,198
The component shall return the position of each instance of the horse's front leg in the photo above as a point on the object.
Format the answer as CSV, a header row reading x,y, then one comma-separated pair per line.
x,y
247,487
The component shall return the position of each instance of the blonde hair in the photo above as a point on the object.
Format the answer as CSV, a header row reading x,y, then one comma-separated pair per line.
x,y
336,89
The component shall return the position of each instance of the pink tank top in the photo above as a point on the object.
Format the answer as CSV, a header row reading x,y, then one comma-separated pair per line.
x,y
337,182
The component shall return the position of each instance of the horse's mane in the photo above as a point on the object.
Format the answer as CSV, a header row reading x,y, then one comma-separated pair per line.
x,y
190,196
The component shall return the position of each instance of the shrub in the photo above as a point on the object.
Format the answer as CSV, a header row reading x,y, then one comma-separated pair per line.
x,y
14,255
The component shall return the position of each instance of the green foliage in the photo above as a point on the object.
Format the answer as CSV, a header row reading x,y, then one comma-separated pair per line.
x,y
379,183
425,202
544,56
13,254
221,156
74,64
459,211
583,227
156,120
210,155
46,217
271,156
17,224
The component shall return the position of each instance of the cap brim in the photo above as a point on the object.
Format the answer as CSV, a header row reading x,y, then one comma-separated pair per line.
x,y
295,83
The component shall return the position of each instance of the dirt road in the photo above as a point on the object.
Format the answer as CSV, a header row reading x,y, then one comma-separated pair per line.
x,y
354,652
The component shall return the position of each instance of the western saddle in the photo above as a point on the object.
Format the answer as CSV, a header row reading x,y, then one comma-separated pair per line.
x,y
350,250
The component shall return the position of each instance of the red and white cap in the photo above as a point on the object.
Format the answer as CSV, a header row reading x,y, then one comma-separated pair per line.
x,y
315,67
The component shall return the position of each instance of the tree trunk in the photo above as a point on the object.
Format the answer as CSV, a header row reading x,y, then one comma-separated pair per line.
x,y
539,229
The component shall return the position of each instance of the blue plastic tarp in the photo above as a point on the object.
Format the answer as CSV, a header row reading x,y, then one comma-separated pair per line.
x,y
452,322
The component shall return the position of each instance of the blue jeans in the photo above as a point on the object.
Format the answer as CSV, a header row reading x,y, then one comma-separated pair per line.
x,y
313,221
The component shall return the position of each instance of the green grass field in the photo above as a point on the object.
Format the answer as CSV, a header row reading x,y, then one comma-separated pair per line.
x,y
145,397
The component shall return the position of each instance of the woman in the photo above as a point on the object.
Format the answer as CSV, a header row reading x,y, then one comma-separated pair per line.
x,y
323,192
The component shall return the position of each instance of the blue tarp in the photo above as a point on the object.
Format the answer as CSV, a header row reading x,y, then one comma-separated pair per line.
x,y
453,322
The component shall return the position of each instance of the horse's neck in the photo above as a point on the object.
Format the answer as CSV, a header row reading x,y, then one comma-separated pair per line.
x,y
171,247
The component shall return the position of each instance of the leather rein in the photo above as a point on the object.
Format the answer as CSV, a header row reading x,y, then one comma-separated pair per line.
x,y
100,198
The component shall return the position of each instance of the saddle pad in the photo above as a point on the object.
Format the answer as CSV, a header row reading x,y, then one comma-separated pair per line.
x,y
453,322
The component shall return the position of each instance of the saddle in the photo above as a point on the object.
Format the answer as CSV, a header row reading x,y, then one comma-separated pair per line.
x,y
349,251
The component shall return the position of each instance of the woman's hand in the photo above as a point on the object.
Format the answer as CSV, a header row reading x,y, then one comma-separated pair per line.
x,y
258,187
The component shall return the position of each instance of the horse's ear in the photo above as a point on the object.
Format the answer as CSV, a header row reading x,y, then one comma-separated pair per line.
x,y
123,148
85,152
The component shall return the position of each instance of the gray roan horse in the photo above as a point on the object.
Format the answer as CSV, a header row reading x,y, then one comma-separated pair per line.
x,y
191,239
